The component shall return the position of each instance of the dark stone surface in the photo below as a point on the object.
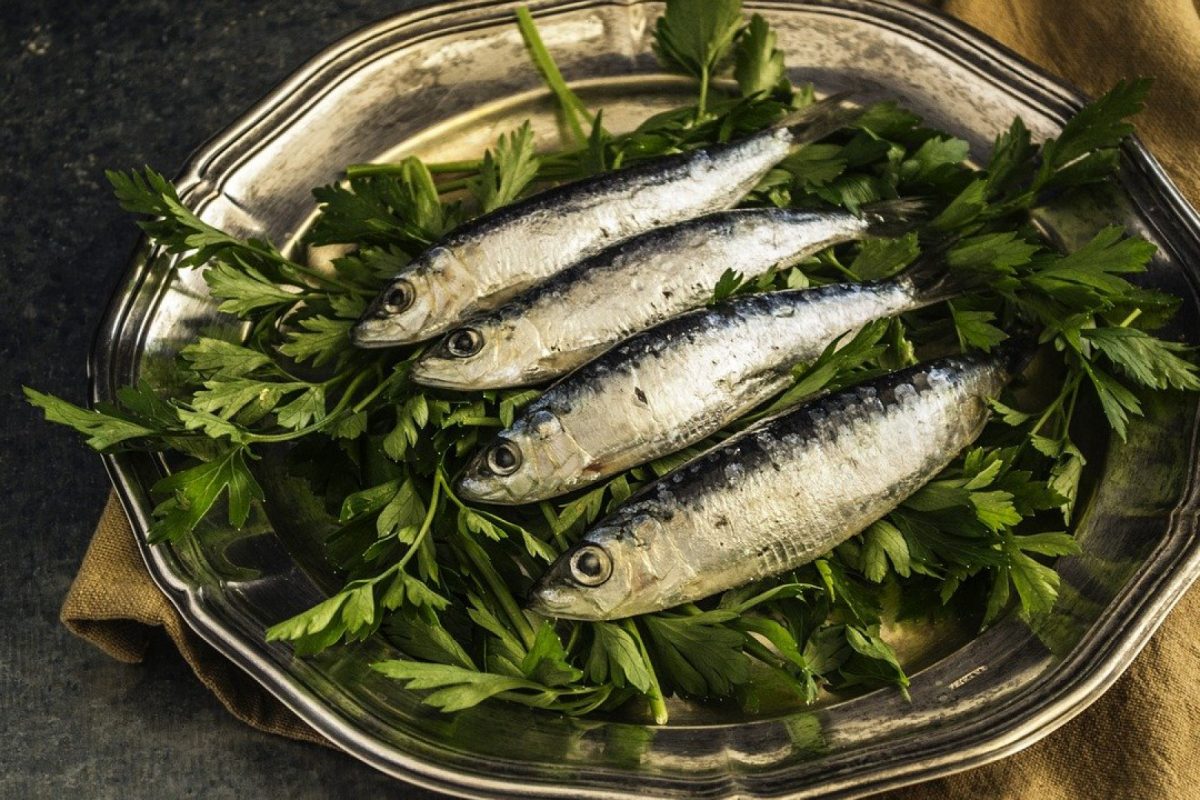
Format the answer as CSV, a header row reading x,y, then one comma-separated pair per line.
x,y
86,86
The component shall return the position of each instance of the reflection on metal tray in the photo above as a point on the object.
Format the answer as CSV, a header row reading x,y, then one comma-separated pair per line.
x,y
443,82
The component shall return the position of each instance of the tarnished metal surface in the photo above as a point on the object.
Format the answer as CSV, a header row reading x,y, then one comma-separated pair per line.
x,y
443,82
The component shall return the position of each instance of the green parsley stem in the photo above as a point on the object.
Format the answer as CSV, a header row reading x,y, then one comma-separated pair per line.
x,y
573,639
344,400
479,560
286,264
1125,323
284,373
426,526
554,166
544,697
763,653
570,105
594,697
457,185
559,158
442,167
480,422
501,521
374,393
551,518
257,248
367,170
1070,413
702,103
269,438
560,539
1070,388
422,532
337,411
1049,410
658,704
830,259
493,518
316,275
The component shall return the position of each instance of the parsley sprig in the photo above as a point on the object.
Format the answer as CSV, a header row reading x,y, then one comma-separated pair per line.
x,y
442,579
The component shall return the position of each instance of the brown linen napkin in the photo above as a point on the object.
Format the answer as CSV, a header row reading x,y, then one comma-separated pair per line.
x,y
1139,740
115,605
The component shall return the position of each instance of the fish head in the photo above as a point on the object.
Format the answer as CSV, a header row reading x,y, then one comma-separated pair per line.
x,y
488,352
428,296
535,458
605,576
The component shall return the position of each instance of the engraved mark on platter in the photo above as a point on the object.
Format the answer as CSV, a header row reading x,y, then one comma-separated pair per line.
x,y
970,676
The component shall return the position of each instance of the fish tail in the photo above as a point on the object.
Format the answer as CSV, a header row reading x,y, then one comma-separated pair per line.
x,y
821,118
933,281
1015,352
897,217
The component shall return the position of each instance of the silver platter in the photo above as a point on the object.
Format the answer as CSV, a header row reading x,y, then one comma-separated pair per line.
x,y
443,82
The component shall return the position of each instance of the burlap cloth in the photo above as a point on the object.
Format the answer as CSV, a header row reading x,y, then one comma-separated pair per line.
x,y
1142,738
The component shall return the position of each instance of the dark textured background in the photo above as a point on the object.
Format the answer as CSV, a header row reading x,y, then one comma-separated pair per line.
x,y
86,86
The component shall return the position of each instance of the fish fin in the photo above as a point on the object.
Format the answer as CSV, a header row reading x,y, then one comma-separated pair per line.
x,y
897,217
820,119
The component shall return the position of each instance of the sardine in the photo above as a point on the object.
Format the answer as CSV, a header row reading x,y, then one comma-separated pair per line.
x,y
777,495
496,256
582,311
678,382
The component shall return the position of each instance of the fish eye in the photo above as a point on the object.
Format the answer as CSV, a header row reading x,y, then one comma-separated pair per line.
x,y
399,297
464,342
504,458
591,565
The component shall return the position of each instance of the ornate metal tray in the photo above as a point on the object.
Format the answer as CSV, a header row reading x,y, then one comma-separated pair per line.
x,y
442,82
